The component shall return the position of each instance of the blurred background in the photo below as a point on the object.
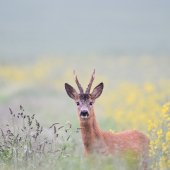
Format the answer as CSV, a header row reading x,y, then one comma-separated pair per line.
x,y
127,42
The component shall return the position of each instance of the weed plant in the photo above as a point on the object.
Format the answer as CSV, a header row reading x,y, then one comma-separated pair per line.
x,y
26,144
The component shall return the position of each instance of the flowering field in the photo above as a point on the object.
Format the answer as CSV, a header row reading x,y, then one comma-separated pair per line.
x,y
136,96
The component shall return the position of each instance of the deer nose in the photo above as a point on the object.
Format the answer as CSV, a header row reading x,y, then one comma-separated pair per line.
x,y
84,114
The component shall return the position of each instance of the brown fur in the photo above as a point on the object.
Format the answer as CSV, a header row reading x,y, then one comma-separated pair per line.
x,y
106,143
129,142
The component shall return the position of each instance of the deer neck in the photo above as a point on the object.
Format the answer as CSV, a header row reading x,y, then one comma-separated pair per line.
x,y
91,134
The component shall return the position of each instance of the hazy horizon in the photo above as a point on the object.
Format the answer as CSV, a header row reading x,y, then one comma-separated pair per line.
x,y
35,28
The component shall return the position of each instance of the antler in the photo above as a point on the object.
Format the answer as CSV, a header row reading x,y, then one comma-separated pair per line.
x,y
90,84
77,82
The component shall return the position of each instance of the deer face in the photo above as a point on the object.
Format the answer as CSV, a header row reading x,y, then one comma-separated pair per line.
x,y
84,105
84,101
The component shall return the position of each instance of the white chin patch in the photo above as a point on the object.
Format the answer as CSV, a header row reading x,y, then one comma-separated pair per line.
x,y
84,117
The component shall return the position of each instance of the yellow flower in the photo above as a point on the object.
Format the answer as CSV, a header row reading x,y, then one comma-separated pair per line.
x,y
163,144
149,121
167,115
148,135
160,132
165,109
156,141
168,119
168,103
164,148
149,87
155,125
151,142
112,131
167,136
150,125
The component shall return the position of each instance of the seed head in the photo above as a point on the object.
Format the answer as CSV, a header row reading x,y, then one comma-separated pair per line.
x,y
80,128
53,124
33,116
68,123
10,111
60,127
54,129
21,108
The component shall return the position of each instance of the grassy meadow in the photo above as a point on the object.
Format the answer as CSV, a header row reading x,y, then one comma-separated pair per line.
x,y
41,129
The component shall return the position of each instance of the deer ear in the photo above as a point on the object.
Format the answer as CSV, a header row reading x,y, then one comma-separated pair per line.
x,y
71,91
97,91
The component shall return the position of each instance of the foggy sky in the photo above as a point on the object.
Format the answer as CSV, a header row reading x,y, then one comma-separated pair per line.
x,y
30,28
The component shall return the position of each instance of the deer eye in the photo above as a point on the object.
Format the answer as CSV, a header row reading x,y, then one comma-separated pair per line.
x,y
91,103
78,103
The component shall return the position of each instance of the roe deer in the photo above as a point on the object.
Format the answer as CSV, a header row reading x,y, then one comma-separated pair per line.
x,y
102,142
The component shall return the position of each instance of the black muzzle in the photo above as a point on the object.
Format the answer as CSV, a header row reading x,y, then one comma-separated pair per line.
x,y
84,114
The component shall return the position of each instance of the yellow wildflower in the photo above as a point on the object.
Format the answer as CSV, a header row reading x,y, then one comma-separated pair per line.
x,y
112,131
164,148
150,125
163,144
168,136
160,132
168,119
165,109
167,115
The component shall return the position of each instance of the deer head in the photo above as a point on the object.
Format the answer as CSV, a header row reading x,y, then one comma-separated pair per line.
x,y
84,101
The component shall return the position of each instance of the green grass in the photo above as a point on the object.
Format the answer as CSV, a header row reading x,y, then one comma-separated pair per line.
x,y
26,144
